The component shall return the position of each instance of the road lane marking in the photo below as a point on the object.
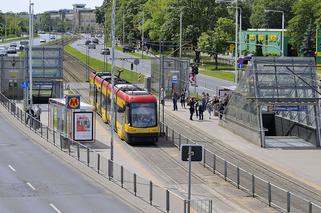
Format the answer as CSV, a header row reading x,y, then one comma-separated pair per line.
x,y
31,186
54,207
10,167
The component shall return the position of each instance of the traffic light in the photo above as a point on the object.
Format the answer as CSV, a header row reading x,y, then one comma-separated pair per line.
x,y
194,69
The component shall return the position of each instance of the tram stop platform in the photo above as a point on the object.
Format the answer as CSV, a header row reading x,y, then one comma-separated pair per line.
x,y
301,163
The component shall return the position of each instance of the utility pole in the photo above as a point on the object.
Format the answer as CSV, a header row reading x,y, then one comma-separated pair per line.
x,y
123,29
113,36
282,33
5,25
240,33
180,33
30,49
143,20
236,43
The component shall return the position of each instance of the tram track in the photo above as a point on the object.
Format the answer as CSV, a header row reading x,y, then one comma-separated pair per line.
x,y
244,161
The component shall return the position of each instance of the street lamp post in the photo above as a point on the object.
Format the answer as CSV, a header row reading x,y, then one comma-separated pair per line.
x,y
30,49
279,11
112,80
143,21
180,33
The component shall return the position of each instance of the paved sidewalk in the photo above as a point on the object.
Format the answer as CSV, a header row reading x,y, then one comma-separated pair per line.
x,y
303,165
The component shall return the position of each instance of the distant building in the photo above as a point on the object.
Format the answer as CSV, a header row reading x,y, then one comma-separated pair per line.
x,y
83,19
270,40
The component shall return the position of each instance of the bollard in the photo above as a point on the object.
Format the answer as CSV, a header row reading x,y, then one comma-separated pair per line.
x,y
185,204
269,194
173,136
88,157
214,163
47,133
211,206
122,176
98,163
310,207
110,169
225,170
69,145
204,162
61,142
167,201
166,133
135,184
288,203
78,152
54,138
150,192
253,185
238,177
179,141
41,129
187,141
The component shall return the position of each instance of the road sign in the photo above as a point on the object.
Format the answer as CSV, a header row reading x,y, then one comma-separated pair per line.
x,y
136,61
196,152
174,78
73,101
24,84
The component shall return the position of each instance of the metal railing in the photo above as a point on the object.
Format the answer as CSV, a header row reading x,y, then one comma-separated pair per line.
x,y
255,186
157,196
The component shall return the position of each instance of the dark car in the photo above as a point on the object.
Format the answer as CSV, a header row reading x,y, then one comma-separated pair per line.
x,y
87,42
95,40
91,46
105,51
128,49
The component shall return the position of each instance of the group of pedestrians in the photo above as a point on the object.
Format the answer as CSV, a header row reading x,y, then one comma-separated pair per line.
x,y
33,114
215,106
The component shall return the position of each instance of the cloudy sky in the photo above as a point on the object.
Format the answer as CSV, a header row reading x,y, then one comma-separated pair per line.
x,y
44,5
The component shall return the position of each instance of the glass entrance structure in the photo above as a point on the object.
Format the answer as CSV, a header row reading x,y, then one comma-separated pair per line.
x,y
276,98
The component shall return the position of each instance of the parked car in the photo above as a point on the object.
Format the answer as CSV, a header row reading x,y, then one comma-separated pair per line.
x,y
99,35
91,46
105,51
12,50
128,49
24,43
95,40
42,40
52,37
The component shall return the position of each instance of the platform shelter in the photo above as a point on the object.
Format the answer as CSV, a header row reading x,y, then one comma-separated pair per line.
x,y
276,103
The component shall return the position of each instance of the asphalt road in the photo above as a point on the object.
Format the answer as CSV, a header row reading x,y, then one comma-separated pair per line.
x,y
32,180
205,83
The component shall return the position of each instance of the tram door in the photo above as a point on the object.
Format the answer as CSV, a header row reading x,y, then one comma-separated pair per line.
x,y
13,89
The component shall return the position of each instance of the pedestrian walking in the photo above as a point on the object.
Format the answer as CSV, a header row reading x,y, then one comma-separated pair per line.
x,y
183,100
162,96
221,110
175,98
196,108
30,114
38,112
210,108
191,108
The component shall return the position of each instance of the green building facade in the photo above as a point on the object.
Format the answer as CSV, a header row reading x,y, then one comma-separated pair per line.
x,y
269,39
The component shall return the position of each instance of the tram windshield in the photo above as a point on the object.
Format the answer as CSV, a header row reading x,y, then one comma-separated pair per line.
x,y
143,115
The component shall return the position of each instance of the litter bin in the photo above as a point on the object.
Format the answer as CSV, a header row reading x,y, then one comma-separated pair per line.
x,y
64,142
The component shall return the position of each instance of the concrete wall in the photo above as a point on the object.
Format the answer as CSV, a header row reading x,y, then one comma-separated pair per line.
x,y
289,128
242,130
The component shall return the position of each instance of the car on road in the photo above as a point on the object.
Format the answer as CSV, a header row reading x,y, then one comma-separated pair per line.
x,y
12,50
24,43
91,46
105,51
13,44
42,40
95,40
128,49
3,51
99,35
52,37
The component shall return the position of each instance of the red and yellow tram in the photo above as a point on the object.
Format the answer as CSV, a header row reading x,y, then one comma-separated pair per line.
x,y
135,109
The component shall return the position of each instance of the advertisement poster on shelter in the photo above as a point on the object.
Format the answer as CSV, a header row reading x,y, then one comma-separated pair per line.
x,y
83,126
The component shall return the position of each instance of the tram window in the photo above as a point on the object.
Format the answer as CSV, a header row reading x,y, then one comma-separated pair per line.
x,y
99,98
143,115
120,114
104,101
108,103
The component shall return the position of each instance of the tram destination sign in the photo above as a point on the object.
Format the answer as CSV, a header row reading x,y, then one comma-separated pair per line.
x,y
289,108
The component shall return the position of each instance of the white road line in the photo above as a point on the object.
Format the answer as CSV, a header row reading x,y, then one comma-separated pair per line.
x,y
54,207
10,167
31,186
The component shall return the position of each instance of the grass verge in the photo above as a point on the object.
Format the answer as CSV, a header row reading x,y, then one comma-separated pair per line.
x,y
229,76
99,66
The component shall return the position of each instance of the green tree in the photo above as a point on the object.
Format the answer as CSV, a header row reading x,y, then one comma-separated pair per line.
x,y
216,41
